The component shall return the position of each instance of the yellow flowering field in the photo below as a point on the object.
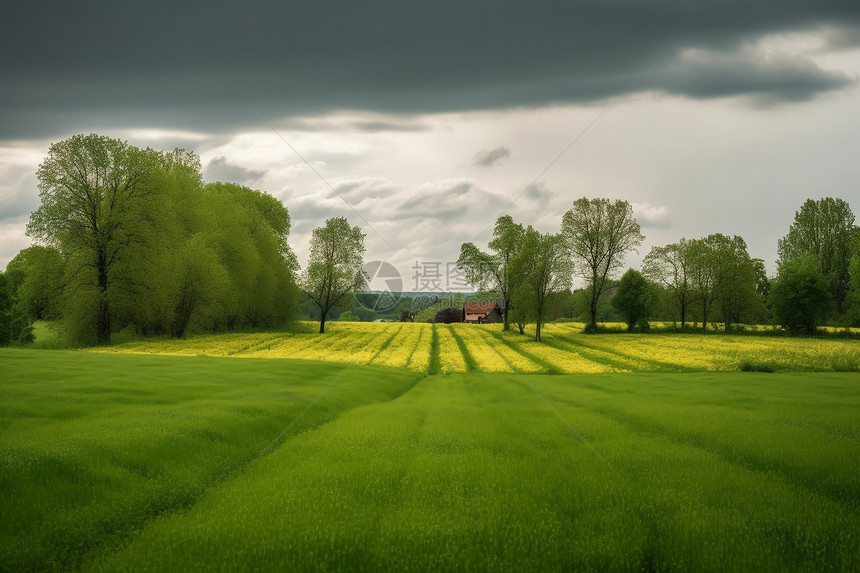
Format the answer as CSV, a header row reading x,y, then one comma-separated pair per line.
x,y
450,357
564,349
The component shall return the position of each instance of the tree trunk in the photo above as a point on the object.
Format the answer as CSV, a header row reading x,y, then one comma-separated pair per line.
x,y
683,312
507,319
103,318
704,316
322,322
537,330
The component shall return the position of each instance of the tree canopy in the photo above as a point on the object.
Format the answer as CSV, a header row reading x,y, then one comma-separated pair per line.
x,y
799,297
823,230
334,269
599,234
492,272
132,239
544,270
634,299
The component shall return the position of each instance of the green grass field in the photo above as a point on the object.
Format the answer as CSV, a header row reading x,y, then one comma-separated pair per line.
x,y
126,462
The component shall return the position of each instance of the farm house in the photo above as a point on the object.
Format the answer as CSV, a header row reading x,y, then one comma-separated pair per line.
x,y
482,312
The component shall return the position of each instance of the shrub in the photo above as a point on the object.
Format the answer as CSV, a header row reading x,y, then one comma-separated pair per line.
x,y
449,315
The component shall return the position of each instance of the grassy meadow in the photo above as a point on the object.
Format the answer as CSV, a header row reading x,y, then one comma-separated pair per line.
x,y
431,448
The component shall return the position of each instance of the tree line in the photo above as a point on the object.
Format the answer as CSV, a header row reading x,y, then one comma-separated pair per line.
x,y
706,280
132,240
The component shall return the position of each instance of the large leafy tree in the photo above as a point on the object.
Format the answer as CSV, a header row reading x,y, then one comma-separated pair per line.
x,y
634,299
822,229
334,269
724,278
545,269
735,279
669,266
599,234
93,191
799,297
702,273
492,271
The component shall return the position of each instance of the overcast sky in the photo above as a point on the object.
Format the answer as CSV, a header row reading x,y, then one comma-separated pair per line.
x,y
423,122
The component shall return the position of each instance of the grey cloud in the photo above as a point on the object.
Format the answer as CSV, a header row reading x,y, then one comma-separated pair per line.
x,y
539,192
18,193
445,198
220,169
190,65
705,74
493,157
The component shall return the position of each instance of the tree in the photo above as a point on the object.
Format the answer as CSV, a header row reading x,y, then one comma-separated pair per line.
x,y
36,280
822,229
723,274
93,190
448,315
335,266
799,297
599,234
702,270
634,299
545,268
670,267
734,278
5,310
492,271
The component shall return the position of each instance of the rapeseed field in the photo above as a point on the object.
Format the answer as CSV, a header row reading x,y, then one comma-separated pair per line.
x,y
486,348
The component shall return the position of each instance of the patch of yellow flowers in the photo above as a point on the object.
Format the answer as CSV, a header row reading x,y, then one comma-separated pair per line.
x,y
565,349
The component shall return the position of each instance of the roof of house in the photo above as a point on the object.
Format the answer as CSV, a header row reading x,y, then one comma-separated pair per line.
x,y
480,306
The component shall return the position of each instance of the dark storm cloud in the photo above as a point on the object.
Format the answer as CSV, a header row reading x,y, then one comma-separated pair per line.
x,y
491,158
194,65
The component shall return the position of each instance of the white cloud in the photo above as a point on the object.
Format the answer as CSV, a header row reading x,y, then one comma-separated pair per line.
x,y
648,215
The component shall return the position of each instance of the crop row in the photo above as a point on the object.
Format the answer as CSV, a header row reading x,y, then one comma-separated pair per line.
x,y
487,348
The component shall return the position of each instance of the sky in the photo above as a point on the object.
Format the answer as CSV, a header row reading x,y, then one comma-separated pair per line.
x,y
422,123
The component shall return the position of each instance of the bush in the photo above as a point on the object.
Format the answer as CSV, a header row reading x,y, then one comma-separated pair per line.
x,y
449,315
749,366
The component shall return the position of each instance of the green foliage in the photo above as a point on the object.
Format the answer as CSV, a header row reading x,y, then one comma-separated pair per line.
x,y
823,230
800,297
448,315
599,234
5,311
134,242
544,270
494,272
634,300
669,267
334,270
348,316
724,278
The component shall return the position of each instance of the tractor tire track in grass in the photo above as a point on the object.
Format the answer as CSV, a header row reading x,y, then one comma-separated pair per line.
x,y
546,367
848,497
144,437
471,364
816,483
615,358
